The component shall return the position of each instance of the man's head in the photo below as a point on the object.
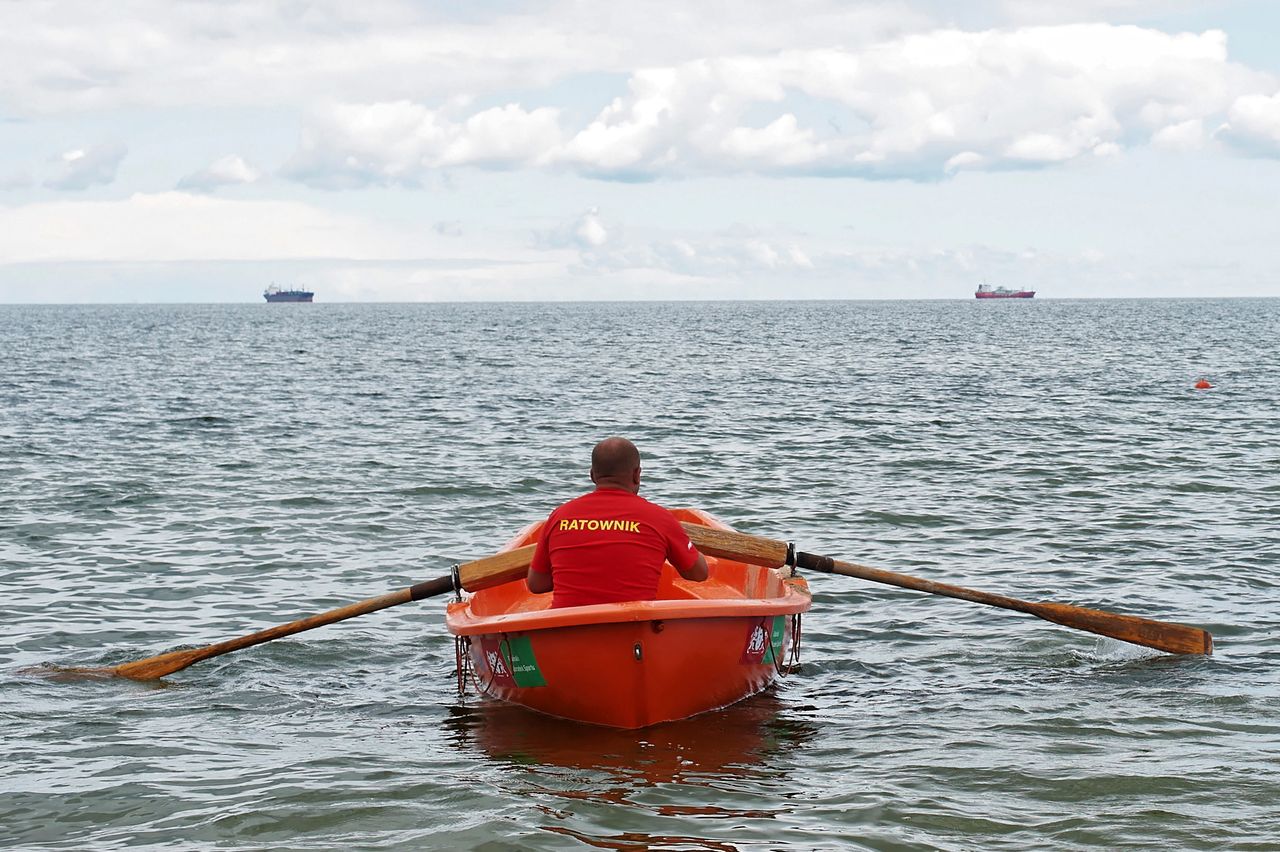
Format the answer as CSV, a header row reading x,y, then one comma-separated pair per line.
x,y
615,463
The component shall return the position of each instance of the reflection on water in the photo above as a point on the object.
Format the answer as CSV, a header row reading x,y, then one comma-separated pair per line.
x,y
739,740
675,771
637,842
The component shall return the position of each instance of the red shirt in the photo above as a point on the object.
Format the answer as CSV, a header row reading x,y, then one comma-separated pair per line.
x,y
609,545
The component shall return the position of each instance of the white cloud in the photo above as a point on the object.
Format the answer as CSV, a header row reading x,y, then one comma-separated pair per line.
x,y
963,160
762,254
403,143
173,226
736,255
781,143
503,137
590,231
82,168
798,258
585,232
225,171
84,54
924,106
1186,135
1058,12
976,104
1254,124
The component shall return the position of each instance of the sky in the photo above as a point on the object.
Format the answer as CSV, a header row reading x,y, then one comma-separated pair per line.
x,y
421,150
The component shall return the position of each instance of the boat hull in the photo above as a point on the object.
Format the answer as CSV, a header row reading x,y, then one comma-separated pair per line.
x,y
289,297
699,647
1017,294
629,675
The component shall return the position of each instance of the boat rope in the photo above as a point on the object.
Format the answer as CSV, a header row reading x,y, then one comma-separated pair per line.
x,y
463,644
462,653
785,666
467,673
793,657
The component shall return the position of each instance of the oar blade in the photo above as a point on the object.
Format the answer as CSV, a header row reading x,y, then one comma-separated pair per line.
x,y
1164,636
157,667
49,671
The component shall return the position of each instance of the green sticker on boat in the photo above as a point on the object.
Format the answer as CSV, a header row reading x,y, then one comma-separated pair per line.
x,y
522,663
776,637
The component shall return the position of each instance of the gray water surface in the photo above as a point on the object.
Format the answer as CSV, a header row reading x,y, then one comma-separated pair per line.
x,y
177,475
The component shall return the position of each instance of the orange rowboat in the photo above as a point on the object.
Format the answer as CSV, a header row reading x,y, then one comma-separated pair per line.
x,y
698,647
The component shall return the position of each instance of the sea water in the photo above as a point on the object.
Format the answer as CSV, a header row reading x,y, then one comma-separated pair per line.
x,y
173,476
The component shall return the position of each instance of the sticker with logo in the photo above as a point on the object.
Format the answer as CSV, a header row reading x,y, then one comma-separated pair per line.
x,y
511,661
764,639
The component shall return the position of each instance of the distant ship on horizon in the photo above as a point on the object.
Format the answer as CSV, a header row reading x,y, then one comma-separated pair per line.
x,y
276,294
985,291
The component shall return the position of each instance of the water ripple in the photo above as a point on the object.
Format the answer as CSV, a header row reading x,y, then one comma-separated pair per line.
x,y
178,475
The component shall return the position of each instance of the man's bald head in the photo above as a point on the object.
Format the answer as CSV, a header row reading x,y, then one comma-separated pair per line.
x,y
615,462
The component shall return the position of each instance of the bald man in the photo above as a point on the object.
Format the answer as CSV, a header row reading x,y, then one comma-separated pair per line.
x,y
609,544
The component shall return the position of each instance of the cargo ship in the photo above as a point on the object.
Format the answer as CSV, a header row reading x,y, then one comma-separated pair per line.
x,y
275,294
985,291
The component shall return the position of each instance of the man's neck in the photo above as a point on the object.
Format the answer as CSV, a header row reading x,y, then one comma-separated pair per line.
x,y
609,485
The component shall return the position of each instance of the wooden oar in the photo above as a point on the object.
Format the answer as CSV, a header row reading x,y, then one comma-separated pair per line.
x,y
756,550
472,576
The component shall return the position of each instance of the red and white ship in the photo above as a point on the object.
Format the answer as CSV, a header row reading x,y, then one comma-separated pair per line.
x,y
986,291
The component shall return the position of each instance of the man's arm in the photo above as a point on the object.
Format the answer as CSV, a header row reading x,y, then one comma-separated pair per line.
x,y
538,577
678,549
696,572
538,581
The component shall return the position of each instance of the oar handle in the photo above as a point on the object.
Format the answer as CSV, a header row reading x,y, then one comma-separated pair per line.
x,y
496,569
740,547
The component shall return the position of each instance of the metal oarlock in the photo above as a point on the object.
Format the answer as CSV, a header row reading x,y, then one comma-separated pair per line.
x,y
457,583
788,568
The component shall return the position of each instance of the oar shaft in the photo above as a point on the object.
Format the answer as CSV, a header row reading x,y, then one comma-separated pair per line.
x,y
827,565
472,576
755,550
174,661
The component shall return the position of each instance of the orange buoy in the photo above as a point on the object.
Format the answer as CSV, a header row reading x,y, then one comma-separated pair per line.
x,y
1203,384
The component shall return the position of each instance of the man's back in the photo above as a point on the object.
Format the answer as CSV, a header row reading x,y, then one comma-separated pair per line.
x,y
609,545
